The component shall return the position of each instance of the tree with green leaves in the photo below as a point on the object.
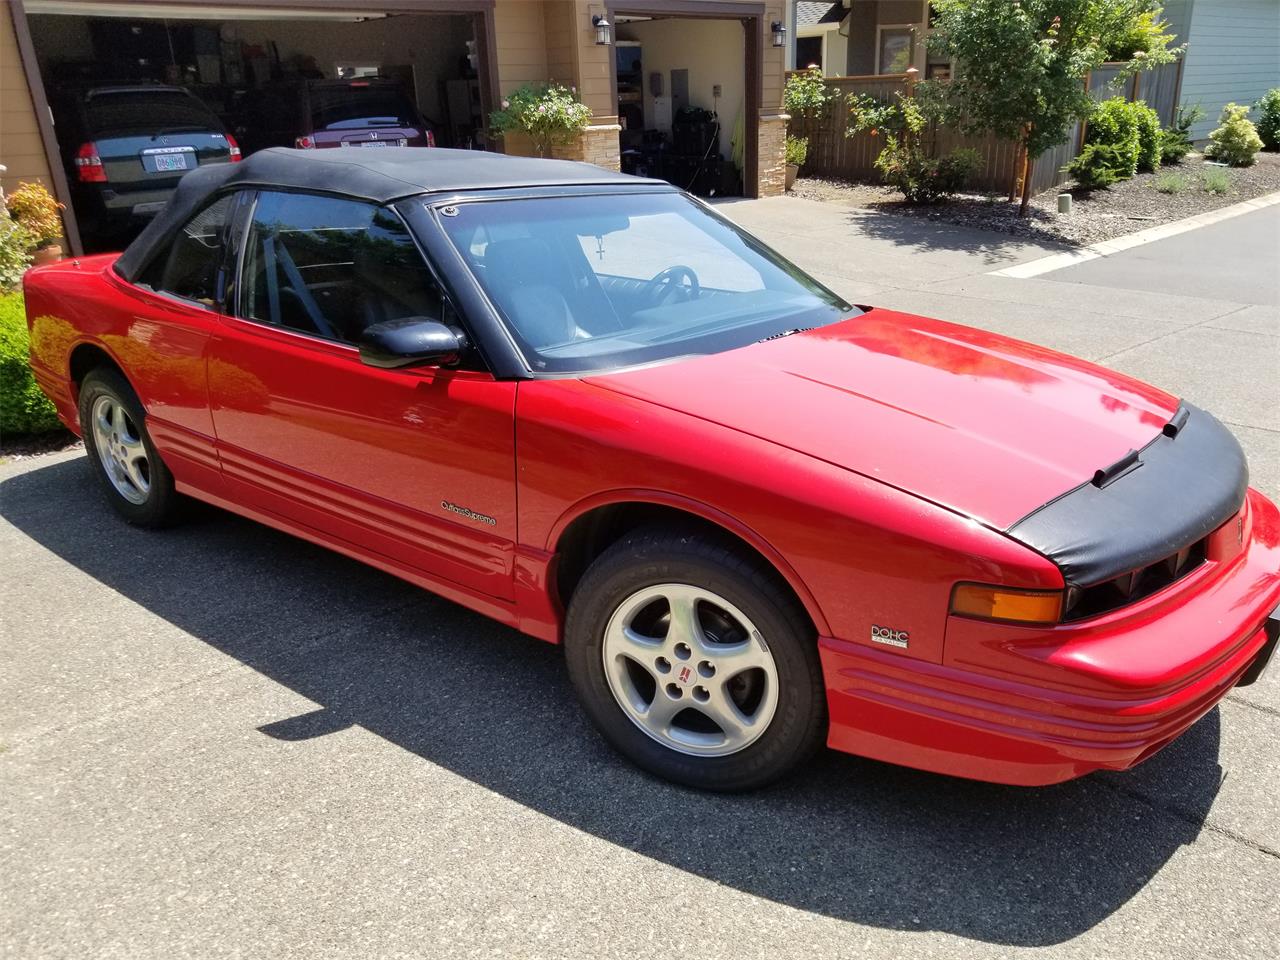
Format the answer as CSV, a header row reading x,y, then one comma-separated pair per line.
x,y
1022,63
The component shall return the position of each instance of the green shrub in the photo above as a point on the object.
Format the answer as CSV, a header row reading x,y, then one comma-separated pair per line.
x,y
34,207
905,166
1269,118
1133,129
1149,135
15,251
906,162
1216,181
797,149
1171,183
1138,37
23,408
806,94
1175,142
1113,124
1099,165
1236,139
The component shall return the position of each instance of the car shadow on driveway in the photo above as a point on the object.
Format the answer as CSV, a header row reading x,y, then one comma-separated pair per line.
x,y
845,837
924,235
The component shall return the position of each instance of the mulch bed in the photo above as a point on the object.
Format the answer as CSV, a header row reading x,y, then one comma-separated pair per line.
x,y
1126,207
25,447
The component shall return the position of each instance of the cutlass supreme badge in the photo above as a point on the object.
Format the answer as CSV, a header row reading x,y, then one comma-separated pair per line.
x,y
469,514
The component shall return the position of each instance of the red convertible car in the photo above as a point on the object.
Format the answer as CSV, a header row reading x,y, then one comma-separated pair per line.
x,y
757,517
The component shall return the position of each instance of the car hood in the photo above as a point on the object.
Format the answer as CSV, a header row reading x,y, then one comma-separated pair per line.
x,y
988,426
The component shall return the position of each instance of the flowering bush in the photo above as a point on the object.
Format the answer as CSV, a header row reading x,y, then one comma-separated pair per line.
x,y
33,207
549,114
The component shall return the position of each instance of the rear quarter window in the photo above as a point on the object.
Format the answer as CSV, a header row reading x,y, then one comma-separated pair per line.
x,y
192,267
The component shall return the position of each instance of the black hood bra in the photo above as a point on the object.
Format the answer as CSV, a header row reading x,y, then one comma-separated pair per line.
x,y
1146,507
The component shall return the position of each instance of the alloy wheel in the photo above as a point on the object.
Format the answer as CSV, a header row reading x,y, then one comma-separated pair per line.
x,y
690,670
121,450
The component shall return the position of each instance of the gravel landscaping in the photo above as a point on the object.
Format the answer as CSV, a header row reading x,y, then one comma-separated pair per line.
x,y
1149,199
23,447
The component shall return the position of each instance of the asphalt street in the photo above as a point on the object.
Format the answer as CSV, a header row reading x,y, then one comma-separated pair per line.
x,y
1239,257
218,741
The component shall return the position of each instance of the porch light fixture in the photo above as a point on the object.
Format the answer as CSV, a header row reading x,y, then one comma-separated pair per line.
x,y
779,33
604,30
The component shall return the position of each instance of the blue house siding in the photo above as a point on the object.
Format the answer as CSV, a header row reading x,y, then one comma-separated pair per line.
x,y
1234,53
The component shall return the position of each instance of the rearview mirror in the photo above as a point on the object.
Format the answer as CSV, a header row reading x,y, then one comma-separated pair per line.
x,y
410,341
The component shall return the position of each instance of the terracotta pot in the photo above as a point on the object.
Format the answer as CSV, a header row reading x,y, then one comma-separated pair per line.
x,y
49,253
793,170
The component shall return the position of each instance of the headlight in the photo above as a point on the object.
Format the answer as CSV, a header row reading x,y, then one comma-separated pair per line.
x,y
985,602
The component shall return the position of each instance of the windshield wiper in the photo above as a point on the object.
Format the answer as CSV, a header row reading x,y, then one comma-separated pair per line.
x,y
784,333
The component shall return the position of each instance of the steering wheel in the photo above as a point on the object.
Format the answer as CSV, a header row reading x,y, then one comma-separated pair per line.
x,y
664,285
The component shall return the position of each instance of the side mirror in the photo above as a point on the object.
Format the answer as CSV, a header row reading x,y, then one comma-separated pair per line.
x,y
409,342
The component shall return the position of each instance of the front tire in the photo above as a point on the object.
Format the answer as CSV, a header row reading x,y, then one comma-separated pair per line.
x,y
134,478
695,662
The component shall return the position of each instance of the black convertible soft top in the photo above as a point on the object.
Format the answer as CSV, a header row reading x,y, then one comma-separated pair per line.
x,y
380,176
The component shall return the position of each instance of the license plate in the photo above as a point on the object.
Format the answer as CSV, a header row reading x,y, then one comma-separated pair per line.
x,y
374,143
171,161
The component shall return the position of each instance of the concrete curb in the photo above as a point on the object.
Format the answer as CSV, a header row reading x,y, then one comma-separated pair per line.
x,y
1034,268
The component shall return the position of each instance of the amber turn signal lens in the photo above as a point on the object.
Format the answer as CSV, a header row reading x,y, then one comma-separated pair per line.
x,y
1003,603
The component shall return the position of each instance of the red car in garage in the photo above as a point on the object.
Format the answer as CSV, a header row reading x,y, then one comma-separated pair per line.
x,y
758,518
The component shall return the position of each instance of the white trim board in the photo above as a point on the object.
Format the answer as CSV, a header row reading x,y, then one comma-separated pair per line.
x,y
1034,268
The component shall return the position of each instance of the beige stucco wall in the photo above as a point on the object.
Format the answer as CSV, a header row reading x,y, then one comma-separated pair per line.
x,y
712,52
21,149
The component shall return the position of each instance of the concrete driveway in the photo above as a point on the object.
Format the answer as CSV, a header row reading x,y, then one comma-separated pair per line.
x,y
219,741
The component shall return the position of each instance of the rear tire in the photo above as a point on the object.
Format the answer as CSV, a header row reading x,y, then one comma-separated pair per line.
x,y
135,480
695,662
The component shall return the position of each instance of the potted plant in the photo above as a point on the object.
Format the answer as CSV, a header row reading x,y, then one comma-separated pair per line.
x,y
797,149
548,114
35,210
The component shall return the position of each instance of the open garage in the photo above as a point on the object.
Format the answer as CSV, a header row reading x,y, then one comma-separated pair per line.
x,y
140,93
682,83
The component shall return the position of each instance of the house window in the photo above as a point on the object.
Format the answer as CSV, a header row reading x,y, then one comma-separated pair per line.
x,y
808,52
895,49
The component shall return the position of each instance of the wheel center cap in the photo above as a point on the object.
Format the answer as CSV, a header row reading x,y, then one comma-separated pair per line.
x,y
684,675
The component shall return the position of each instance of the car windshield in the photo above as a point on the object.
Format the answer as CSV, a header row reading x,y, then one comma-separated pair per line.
x,y
593,283
354,107
120,113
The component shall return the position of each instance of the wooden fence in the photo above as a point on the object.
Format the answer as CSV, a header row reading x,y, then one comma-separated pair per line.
x,y
832,154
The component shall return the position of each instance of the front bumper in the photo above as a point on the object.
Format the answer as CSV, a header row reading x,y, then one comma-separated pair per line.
x,y
1035,707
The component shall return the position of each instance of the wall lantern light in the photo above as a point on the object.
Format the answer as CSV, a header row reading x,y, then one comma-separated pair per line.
x,y
779,33
604,30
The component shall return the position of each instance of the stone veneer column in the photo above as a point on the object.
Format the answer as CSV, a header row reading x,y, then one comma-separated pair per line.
x,y
772,171
597,144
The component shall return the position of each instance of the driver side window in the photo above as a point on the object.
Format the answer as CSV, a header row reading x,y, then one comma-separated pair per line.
x,y
331,267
